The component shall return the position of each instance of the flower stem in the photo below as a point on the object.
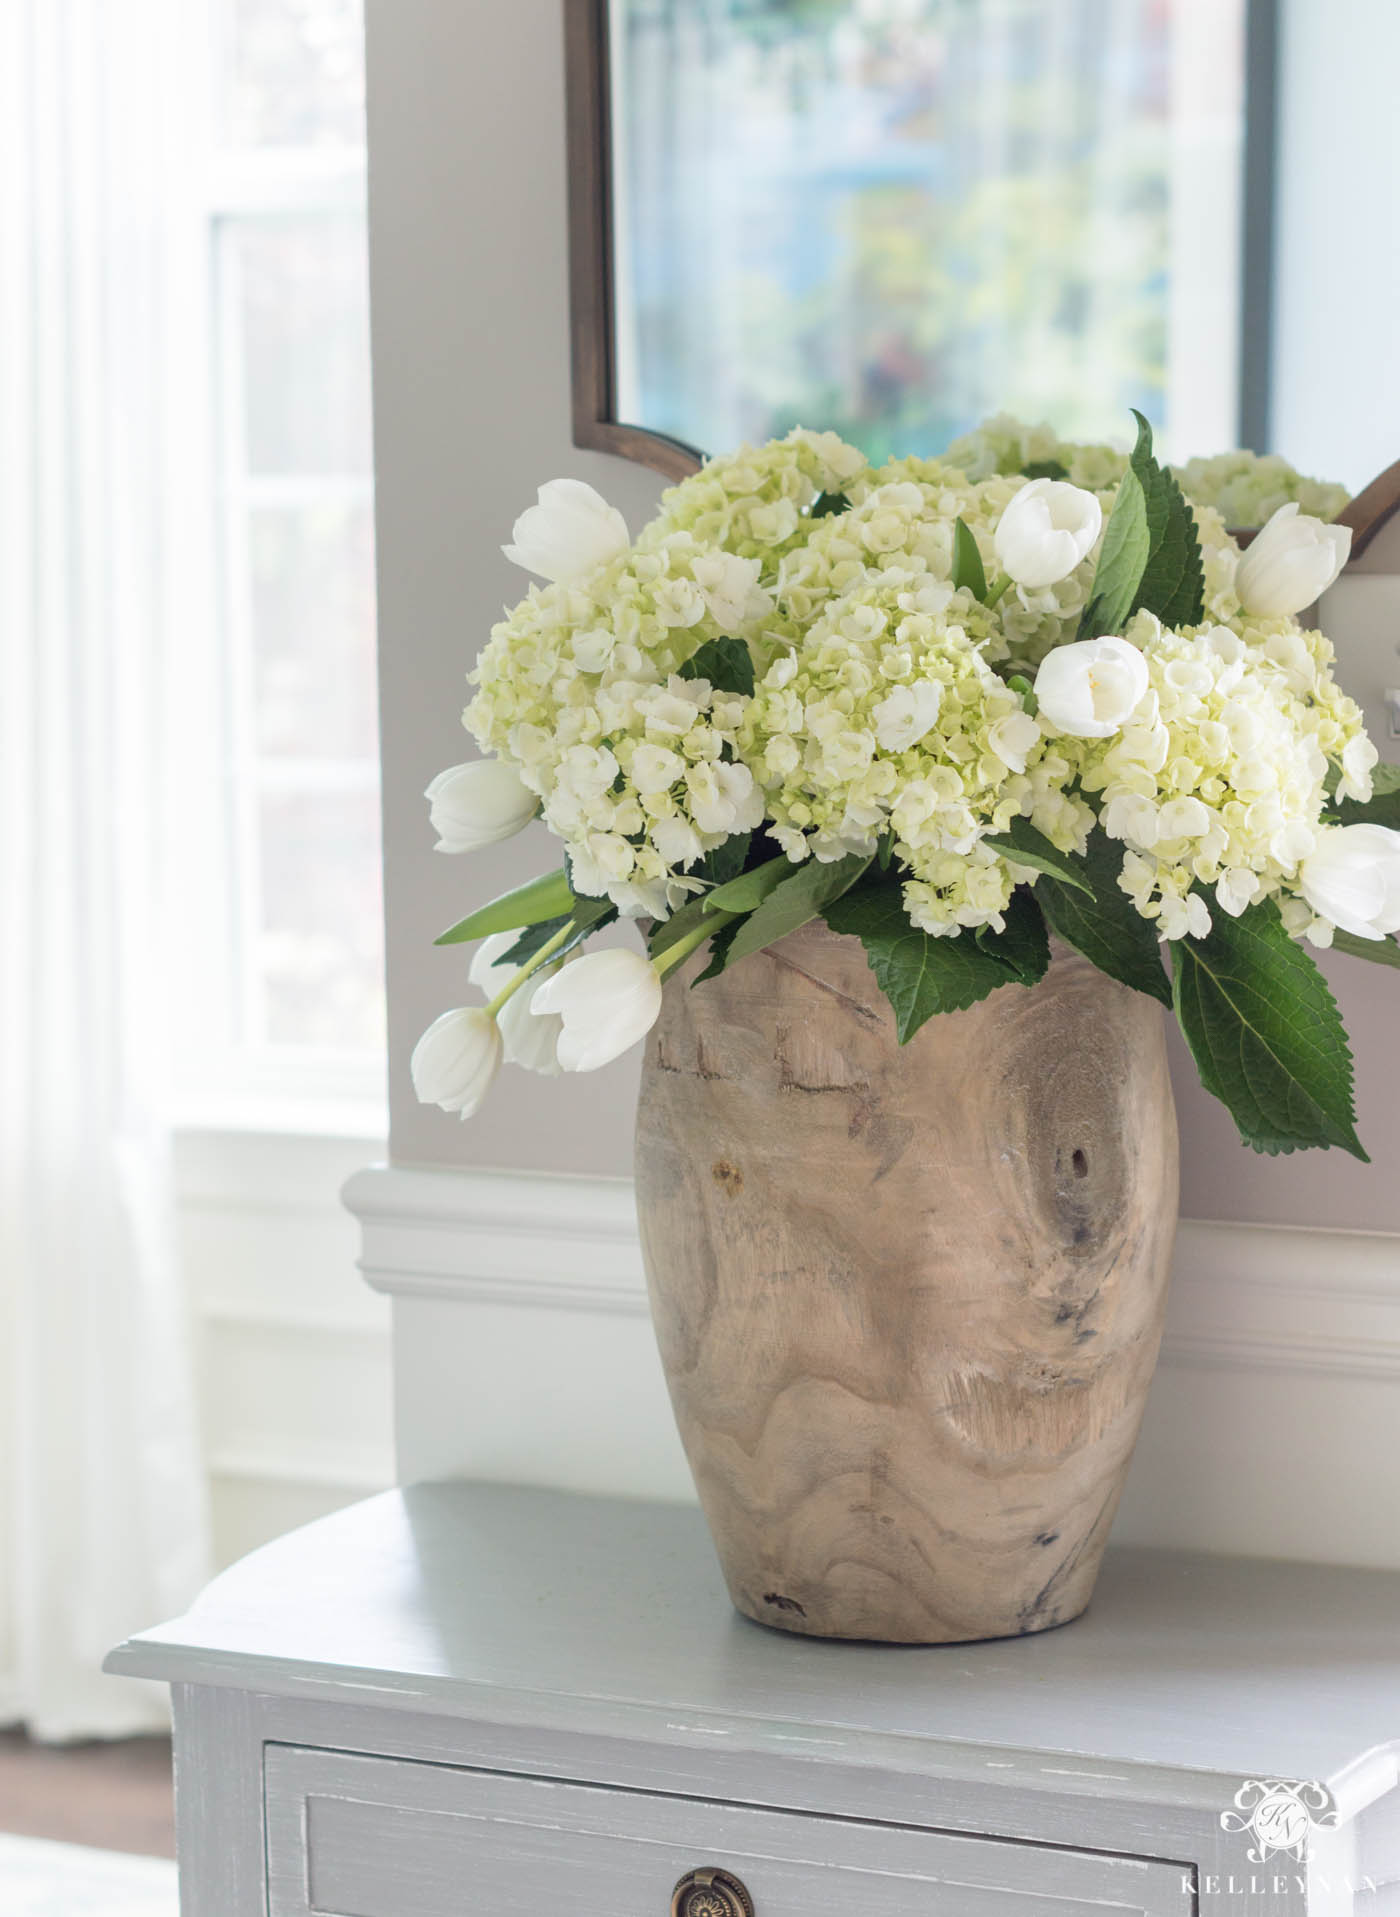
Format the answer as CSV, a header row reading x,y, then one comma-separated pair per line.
x,y
676,954
532,964
996,589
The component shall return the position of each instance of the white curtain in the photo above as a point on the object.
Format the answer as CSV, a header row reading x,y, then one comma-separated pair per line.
x,y
102,1528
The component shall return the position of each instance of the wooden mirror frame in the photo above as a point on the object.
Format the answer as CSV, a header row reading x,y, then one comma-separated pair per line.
x,y
592,315
1371,510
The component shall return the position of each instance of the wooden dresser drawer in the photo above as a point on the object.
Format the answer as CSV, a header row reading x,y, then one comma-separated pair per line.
x,y
356,1836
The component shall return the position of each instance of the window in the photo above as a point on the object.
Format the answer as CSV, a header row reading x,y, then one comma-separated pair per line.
x,y
286,929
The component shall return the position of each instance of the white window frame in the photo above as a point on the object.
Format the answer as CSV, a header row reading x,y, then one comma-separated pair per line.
x,y
222,1080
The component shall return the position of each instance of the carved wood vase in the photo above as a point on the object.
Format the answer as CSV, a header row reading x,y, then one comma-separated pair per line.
x,y
908,1299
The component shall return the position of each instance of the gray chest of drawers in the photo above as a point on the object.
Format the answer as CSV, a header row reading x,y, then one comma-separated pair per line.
x,y
464,1701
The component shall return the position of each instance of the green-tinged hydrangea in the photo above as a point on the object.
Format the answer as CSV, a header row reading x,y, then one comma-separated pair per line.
x,y
579,690
907,513
887,718
1247,489
1219,778
1010,447
757,502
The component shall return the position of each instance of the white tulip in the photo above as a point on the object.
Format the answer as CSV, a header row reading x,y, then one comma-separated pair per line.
x,y
1045,531
607,1001
1290,563
456,1060
528,1037
478,804
1089,690
571,531
1352,878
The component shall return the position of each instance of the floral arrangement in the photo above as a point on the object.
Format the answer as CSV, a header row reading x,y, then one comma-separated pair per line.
x,y
951,707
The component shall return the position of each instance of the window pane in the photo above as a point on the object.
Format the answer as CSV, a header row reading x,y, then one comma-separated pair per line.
x,y
313,631
895,217
303,310
320,948
295,73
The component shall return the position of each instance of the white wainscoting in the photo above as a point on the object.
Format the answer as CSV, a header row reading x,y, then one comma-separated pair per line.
x,y
295,1363
523,1354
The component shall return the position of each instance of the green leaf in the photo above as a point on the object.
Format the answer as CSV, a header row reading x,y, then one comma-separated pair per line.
x,y
794,902
747,892
719,952
826,506
1173,583
588,916
1379,951
1105,927
968,569
1265,1034
1025,846
1123,557
727,861
1023,947
542,898
726,663
667,932
1383,806
919,975
1046,469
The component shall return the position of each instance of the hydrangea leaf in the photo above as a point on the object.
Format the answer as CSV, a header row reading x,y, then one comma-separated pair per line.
x,y
1383,806
919,975
1105,926
1173,582
726,861
827,506
726,663
1379,951
719,952
1023,845
968,570
793,903
1123,557
547,897
1046,469
1265,1034
1023,946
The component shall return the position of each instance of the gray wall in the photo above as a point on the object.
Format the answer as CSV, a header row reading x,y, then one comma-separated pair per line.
x,y
469,279
469,283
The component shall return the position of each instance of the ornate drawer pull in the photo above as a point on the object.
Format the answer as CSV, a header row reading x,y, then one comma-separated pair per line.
x,y
710,1893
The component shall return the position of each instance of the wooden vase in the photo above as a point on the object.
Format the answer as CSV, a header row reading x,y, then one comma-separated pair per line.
x,y
908,1299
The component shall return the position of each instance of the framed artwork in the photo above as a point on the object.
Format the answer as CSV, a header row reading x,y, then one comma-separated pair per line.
x,y
893,217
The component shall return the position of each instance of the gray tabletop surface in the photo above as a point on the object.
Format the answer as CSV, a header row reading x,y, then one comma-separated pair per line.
x,y
536,1606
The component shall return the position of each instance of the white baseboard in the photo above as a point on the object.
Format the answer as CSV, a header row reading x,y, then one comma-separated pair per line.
x,y
523,1353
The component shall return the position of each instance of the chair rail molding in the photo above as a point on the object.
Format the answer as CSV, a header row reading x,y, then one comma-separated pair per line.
x,y
523,1354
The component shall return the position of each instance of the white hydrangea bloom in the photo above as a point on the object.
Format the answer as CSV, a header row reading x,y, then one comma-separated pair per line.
x,y
1247,489
579,688
755,503
888,718
1220,777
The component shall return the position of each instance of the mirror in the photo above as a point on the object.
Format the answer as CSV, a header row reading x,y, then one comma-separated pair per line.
x,y
894,217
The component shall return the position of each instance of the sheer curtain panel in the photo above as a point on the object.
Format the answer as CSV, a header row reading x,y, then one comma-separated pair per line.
x,y
101,1485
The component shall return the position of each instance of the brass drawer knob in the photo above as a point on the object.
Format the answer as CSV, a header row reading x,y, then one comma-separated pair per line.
x,y
710,1893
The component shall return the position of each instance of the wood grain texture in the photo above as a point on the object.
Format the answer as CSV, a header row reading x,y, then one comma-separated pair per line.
x,y
908,1300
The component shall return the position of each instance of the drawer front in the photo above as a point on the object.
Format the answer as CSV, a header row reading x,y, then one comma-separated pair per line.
x,y
356,1836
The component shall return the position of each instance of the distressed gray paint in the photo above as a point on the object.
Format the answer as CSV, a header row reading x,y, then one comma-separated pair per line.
x,y
462,1638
